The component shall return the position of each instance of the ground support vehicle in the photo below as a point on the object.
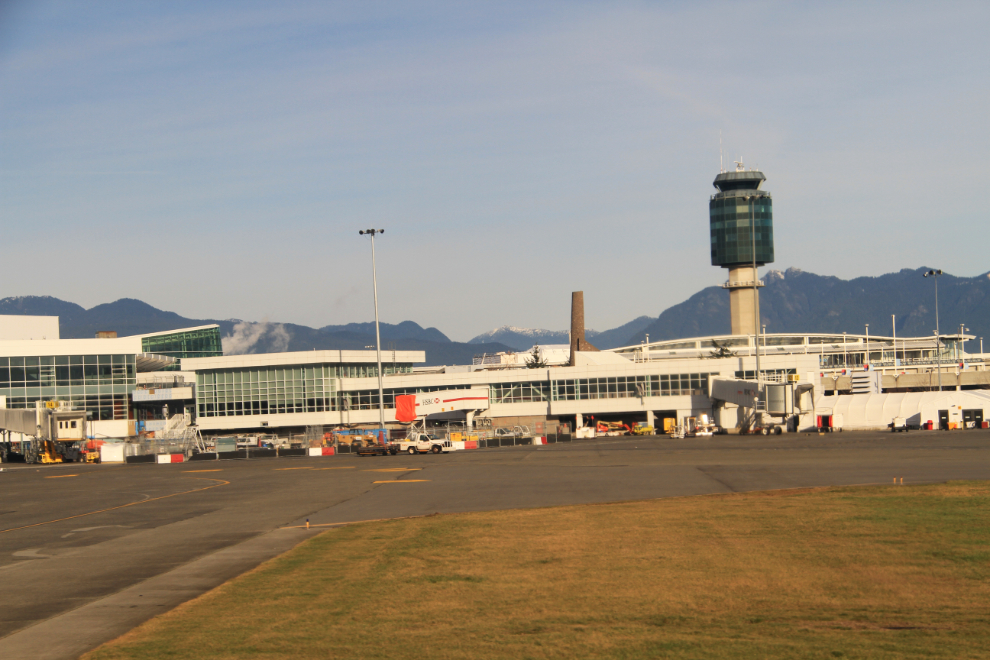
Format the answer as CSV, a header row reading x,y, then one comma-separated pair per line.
x,y
642,428
612,428
418,442
898,424
369,447
514,432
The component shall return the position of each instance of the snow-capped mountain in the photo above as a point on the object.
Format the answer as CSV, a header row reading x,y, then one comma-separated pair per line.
x,y
522,339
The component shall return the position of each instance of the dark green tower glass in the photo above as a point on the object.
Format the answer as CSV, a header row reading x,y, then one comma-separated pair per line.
x,y
729,218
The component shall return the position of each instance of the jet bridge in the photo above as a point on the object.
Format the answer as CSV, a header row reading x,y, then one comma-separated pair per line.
x,y
19,421
780,401
56,432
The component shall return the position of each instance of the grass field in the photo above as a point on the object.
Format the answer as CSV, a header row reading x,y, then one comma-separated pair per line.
x,y
874,572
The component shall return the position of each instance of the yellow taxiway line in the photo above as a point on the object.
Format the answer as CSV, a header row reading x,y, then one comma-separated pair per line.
x,y
122,506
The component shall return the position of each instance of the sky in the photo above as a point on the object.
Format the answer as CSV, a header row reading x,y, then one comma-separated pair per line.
x,y
218,159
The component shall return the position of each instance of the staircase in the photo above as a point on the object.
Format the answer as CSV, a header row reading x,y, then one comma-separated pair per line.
x,y
175,427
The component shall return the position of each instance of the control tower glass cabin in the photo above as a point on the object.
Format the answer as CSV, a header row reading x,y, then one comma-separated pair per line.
x,y
733,210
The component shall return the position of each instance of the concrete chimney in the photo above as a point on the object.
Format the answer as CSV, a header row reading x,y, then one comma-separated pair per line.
x,y
578,342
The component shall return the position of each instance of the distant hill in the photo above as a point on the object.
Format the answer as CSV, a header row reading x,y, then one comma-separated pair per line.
x,y
134,317
617,337
796,301
40,306
792,301
523,339
404,330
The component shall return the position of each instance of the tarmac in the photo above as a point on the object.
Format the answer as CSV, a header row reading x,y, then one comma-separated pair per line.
x,y
87,552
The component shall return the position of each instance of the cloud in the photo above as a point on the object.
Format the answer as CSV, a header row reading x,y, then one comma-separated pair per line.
x,y
255,338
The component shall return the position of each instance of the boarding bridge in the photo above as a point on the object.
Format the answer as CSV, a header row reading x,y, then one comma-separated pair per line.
x,y
56,431
19,421
410,407
781,400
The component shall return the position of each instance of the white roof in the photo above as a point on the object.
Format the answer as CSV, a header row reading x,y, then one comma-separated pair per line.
x,y
877,410
30,347
593,358
178,330
298,357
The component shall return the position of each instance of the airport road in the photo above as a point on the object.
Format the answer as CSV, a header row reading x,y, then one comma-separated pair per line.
x,y
89,551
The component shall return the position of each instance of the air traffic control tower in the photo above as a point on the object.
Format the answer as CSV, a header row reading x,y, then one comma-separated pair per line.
x,y
741,220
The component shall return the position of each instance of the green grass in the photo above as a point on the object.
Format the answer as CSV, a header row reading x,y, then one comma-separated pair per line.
x,y
880,572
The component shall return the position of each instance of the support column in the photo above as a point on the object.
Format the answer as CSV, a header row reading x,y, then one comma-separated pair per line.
x,y
578,421
650,418
744,307
469,422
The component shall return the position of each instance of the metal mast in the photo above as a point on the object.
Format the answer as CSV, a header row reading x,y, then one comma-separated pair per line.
x,y
378,336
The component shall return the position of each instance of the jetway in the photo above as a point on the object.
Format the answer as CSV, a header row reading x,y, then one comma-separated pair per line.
x,y
56,433
19,421
410,407
780,401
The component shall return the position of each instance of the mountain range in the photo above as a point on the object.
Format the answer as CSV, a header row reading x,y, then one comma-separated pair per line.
x,y
134,317
796,301
791,301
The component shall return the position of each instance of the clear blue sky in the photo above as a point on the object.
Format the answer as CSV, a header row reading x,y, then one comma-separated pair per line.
x,y
218,159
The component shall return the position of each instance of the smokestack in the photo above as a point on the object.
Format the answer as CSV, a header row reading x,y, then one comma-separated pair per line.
x,y
578,342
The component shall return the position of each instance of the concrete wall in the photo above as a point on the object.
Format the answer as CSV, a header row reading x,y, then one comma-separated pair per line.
x,y
14,327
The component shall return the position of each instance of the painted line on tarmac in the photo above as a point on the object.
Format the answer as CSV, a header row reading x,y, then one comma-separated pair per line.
x,y
295,468
401,481
394,470
122,506
62,476
191,471
358,522
336,468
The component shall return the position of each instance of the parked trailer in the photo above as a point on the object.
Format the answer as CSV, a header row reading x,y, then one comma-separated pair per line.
x,y
366,446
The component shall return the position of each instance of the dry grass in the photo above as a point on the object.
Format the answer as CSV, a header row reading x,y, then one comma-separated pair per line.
x,y
883,572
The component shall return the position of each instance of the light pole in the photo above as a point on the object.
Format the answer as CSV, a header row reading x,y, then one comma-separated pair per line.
x,y
378,336
934,274
893,323
756,299
866,362
938,354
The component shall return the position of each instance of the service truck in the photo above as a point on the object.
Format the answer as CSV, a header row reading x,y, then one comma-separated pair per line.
x,y
420,442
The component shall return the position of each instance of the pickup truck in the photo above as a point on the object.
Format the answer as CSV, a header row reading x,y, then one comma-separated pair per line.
x,y
418,442
898,424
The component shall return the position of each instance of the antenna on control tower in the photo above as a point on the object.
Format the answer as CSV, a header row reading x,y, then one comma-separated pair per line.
x,y
721,165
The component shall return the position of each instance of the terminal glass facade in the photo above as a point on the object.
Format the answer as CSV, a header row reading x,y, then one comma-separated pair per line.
x,y
731,230
621,387
519,392
278,390
204,342
265,390
99,384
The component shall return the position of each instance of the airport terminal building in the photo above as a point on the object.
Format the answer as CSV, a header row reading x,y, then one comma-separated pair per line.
x,y
162,382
